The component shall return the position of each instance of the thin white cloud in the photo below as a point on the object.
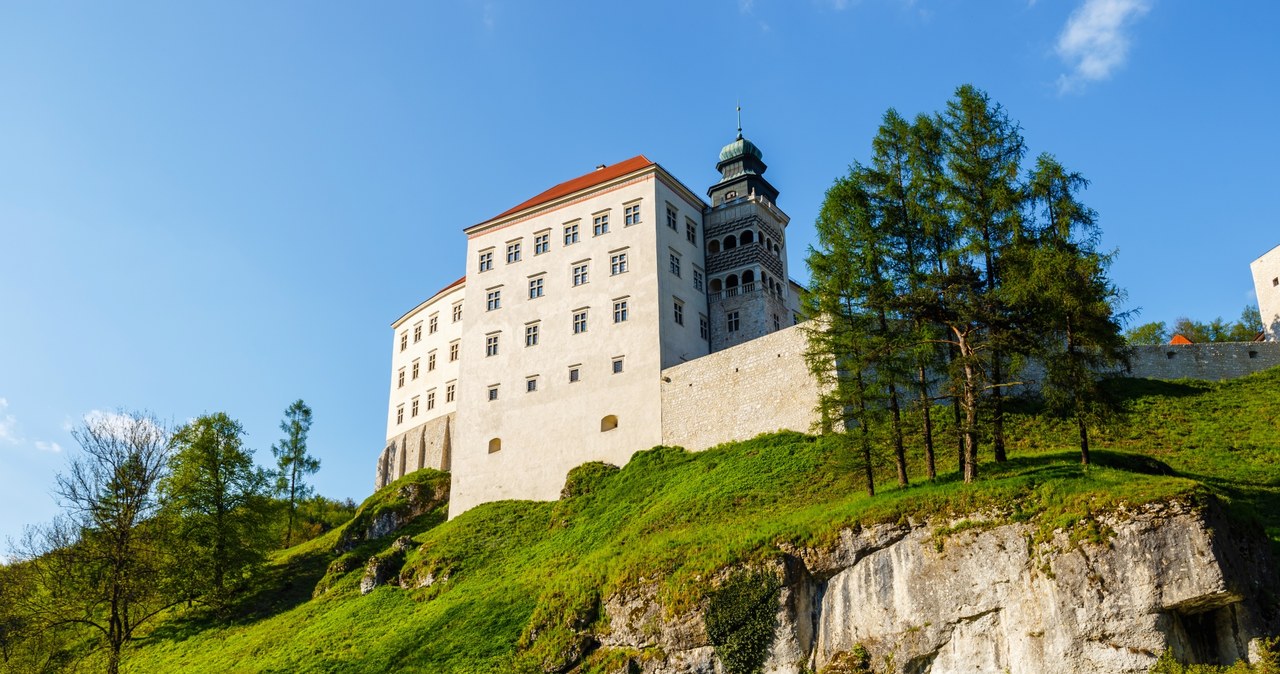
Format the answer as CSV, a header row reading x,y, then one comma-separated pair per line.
x,y
51,447
1095,41
745,6
8,424
122,425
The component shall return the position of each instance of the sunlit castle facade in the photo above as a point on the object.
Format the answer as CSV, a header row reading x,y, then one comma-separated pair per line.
x,y
1266,282
550,352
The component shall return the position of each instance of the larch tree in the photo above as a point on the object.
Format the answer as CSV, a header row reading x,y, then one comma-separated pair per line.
x,y
293,462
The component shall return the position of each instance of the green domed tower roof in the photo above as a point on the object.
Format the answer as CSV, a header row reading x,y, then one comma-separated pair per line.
x,y
740,147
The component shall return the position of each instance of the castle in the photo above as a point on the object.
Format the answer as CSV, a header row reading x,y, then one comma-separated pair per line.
x,y
559,345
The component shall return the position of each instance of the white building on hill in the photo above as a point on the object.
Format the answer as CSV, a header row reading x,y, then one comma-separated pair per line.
x,y
1266,282
551,351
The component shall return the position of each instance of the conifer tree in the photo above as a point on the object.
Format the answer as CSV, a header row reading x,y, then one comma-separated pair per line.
x,y
293,461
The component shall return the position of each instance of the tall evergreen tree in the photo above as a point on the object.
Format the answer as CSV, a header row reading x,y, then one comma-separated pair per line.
x,y
293,461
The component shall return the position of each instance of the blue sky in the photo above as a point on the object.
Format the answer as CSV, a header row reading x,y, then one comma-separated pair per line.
x,y
222,206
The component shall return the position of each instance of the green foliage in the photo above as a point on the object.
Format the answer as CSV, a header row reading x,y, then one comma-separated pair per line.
x,y
1218,330
1268,663
586,478
1147,334
742,614
293,461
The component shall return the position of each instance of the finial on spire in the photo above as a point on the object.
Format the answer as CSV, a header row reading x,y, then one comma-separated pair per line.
x,y
739,120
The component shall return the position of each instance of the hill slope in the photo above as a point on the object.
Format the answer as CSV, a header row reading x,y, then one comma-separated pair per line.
x,y
513,586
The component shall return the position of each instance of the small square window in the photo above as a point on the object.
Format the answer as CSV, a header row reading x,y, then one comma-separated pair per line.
x,y
531,335
449,392
704,328
513,252
691,232
493,300
535,288
400,378
579,274
400,414
404,341
457,312
675,264
1275,282
678,312
433,325
671,218
631,215
777,323
541,243
413,408
570,234
573,374
431,400
415,369
732,321
579,322
491,345
617,264
431,362
486,261
620,311
617,365
600,224
453,352
417,333
493,393
697,280
531,385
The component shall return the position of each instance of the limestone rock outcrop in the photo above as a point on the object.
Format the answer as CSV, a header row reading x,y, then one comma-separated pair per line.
x,y
996,596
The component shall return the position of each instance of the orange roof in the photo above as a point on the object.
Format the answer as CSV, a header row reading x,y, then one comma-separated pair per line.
x,y
582,182
450,285
1179,339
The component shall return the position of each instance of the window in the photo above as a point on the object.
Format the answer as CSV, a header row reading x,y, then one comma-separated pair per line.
x,y
675,264
620,311
535,288
431,362
399,414
704,328
678,308
415,369
580,274
404,341
493,392
493,300
574,374
631,215
490,345
777,324
531,335
448,391
1275,282
417,333
531,385
732,323
617,264
541,243
671,217
697,279
579,322
691,232
570,234
608,423
400,378
433,324
431,400
486,260
453,352
600,224
413,407
495,445
617,365
513,252
457,312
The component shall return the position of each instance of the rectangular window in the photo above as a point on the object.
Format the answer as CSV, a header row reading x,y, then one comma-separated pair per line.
x,y
697,279
671,217
579,322
453,352
513,252
617,365
579,274
493,393
433,324
404,341
493,300
620,311
449,391
535,288
413,407
678,312
417,333
691,231
399,414
574,375
415,369
777,323
731,321
400,378
570,234
600,224
486,260
675,264
704,328
490,345
618,264
531,335
457,312
431,400
541,243
631,215
531,385
431,362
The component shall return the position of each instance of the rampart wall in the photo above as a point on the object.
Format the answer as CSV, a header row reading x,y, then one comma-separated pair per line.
x,y
427,445
1212,361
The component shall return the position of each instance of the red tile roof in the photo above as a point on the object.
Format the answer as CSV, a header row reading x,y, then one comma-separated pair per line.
x,y
1179,339
582,182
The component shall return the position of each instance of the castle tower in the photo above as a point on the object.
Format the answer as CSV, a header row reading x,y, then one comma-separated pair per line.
x,y
745,247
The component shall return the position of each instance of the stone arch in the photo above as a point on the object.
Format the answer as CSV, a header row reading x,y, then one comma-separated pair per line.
x,y
495,445
716,285
748,277
731,282
747,237
713,246
730,242
608,423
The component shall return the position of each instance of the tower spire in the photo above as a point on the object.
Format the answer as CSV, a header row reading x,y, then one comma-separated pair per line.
x,y
739,120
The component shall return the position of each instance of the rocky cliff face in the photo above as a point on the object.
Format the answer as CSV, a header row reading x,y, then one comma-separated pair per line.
x,y
995,597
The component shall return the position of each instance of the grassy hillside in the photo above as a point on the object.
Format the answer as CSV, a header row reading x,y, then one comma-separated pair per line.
x,y
509,581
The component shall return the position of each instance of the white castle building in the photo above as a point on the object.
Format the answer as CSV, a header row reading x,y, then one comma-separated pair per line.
x,y
1266,283
578,307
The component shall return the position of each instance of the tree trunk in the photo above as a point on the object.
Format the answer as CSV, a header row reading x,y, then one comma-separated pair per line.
x,y
1084,439
997,412
866,439
925,405
899,452
970,404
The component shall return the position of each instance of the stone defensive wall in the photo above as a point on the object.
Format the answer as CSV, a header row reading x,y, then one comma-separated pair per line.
x,y
1212,361
427,445
756,387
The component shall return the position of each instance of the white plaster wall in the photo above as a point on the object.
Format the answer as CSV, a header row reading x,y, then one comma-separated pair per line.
x,y
546,433
1266,282
440,305
680,343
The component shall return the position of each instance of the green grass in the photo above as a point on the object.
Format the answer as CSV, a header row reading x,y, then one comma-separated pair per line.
x,y
516,584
